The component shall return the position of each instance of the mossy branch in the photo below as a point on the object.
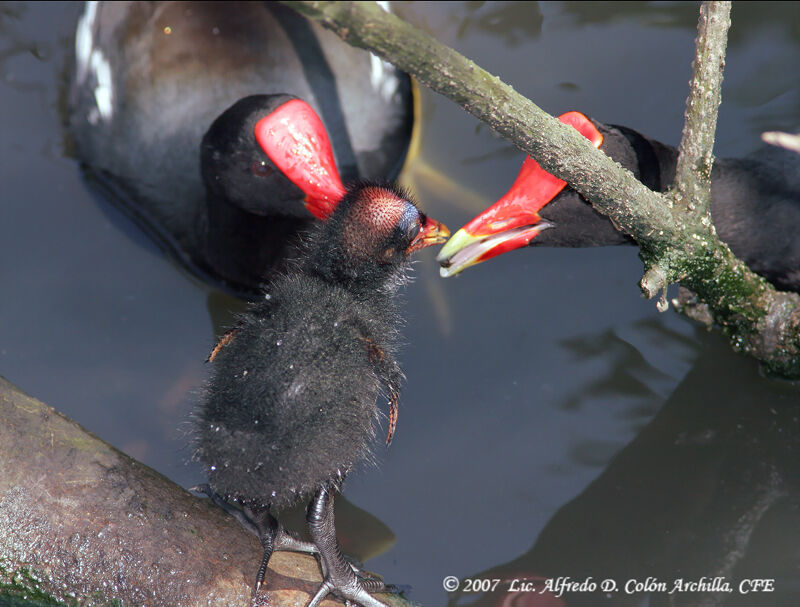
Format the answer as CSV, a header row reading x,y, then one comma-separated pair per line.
x,y
756,318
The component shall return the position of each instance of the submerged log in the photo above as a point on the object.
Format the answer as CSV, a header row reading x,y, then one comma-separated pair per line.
x,y
81,522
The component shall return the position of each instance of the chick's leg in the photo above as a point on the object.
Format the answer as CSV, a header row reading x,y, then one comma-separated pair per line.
x,y
262,524
338,575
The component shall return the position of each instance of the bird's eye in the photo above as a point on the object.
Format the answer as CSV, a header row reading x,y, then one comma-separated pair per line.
x,y
260,168
413,229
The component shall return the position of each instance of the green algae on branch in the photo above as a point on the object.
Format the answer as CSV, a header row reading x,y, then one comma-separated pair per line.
x,y
22,588
756,319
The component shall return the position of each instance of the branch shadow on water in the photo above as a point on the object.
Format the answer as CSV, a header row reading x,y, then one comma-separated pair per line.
x,y
709,487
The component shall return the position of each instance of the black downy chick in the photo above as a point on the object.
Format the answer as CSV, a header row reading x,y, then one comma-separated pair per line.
x,y
291,405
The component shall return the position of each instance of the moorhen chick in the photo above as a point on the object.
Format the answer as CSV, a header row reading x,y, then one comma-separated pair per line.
x,y
151,78
755,206
291,404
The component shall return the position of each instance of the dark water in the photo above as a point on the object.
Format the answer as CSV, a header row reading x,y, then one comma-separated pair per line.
x,y
526,376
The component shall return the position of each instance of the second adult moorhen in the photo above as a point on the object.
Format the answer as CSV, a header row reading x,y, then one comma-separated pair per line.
x,y
149,80
755,206
291,405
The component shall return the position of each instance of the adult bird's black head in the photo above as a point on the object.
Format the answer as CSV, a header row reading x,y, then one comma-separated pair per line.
x,y
755,206
248,159
258,197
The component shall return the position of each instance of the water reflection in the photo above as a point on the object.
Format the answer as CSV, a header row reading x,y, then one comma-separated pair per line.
x,y
512,22
16,45
708,488
748,18
631,376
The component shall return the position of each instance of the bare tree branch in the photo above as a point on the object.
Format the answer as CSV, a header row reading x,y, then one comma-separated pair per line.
x,y
692,186
756,318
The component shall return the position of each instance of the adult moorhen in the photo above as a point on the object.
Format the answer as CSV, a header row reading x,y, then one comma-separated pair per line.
x,y
755,206
291,404
149,80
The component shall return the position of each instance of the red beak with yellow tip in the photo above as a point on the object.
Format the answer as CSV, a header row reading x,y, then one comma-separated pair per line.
x,y
513,221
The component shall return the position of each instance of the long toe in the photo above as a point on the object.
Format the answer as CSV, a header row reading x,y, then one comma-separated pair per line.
x,y
285,540
373,584
245,518
353,591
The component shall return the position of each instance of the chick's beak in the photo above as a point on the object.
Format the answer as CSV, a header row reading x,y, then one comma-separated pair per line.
x,y
513,221
431,232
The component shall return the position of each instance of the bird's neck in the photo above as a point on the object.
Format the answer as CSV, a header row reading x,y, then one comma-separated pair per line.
x,y
576,222
651,161
364,279
245,247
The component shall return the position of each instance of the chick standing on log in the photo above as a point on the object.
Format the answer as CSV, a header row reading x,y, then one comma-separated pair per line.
x,y
291,405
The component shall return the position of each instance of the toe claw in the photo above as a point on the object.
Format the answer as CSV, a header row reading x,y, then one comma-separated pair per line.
x,y
323,591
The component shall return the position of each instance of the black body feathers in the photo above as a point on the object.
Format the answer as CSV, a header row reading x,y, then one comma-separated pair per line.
x,y
292,403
